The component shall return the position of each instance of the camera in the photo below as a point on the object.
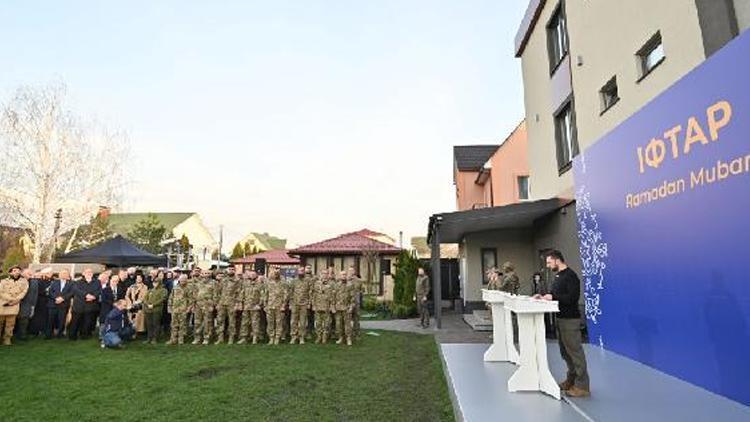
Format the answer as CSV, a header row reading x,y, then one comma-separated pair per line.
x,y
136,307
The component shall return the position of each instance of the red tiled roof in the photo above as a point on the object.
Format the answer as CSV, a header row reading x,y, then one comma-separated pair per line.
x,y
346,243
368,233
278,257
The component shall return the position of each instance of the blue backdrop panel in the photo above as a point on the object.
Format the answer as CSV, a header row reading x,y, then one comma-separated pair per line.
x,y
666,269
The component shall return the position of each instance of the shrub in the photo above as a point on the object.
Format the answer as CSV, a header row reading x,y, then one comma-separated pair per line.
x,y
402,311
370,303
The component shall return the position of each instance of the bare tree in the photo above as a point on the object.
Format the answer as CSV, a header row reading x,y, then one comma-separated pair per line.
x,y
52,160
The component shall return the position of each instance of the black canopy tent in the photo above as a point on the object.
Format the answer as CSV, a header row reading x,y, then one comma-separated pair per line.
x,y
115,252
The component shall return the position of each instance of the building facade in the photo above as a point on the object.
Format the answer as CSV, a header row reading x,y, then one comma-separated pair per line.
x,y
587,66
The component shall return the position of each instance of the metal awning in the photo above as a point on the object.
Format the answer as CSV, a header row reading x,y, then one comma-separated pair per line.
x,y
453,226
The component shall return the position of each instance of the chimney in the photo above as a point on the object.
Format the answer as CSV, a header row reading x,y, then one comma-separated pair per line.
x,y
104,212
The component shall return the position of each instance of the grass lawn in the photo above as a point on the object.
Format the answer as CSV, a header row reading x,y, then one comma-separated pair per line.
x,y
393,377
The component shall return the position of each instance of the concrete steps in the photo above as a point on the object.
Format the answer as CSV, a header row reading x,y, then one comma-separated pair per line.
x,y
479,320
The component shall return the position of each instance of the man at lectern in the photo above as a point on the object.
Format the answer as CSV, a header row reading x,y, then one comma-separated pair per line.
x,y
566,290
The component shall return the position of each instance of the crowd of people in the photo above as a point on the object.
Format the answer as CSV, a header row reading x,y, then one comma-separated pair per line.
x,y
211,306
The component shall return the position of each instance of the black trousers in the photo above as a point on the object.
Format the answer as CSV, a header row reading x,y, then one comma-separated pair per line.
x,y
22,327
56,321
82,323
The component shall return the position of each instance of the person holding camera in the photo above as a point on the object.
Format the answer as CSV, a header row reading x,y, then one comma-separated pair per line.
x,y
117,327
153,307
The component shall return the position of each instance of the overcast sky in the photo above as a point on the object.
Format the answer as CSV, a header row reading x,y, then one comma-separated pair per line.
x,y
305,119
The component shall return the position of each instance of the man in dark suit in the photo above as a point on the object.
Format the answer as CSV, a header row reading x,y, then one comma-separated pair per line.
x,y
111,292
86,294
60,292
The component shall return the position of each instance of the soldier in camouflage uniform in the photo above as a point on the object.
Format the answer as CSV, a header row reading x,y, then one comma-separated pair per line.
x,y
203,307
274,303
510,282
321,305
494,280
229,301
301,289
179,306
252,303
356,284
421,290
343,307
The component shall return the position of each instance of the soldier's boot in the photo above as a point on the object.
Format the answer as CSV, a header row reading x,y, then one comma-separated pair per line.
x,y
206,342
241,341
340,340
231,340
325,339
170,342
219,339
197,340
349,341
302,340
181,340
293,340
255,339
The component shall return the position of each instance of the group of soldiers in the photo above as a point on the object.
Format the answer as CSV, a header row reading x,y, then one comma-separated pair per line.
x,y
504,279
236,307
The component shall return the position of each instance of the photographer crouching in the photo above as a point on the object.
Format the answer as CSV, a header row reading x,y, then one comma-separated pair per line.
x,y
117,326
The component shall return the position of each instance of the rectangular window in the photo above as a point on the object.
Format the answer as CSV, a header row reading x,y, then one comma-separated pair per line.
x,y
650,55
489,260
523,188
565,137
609,95
329,262
557,37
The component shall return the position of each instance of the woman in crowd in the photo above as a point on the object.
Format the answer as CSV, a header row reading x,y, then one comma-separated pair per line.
x,y
135,295
153,308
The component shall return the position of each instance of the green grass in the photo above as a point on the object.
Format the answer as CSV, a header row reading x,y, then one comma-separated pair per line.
x,y
393,377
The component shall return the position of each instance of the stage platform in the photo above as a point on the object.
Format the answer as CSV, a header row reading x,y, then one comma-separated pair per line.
x,y
622,390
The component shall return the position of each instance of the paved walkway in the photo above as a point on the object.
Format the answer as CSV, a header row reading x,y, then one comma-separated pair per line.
x,y
454,329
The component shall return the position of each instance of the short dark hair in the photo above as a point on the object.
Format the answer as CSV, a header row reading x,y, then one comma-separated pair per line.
x,y
555,254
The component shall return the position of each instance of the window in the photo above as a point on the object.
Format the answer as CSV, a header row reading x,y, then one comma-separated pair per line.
x,y
557,37
523,187
565,137
609,95
329,262
489,260
650,55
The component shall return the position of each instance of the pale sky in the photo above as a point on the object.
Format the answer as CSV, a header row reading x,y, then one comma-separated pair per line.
x,y
304,119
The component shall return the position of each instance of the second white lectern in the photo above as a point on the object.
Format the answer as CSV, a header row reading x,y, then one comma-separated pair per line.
x,y
502,349
533,373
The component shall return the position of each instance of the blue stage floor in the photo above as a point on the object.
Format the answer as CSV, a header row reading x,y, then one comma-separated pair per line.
x,y
622,390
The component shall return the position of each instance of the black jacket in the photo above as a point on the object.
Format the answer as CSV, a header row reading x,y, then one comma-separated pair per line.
x,y
566,290
80,289
115,321
56,289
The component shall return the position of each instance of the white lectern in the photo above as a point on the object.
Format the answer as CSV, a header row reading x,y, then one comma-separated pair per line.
x,y
502,349
533,373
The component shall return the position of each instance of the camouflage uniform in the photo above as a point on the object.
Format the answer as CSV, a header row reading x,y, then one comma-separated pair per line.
x,y
203,307
356,284
321,305
179,306
252,302
301,289
510,282
274,301
422,289
343,306
229,301
285,317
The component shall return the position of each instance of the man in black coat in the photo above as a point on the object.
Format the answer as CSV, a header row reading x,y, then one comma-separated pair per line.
x,y
58,303
38,324
86,293
27,305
